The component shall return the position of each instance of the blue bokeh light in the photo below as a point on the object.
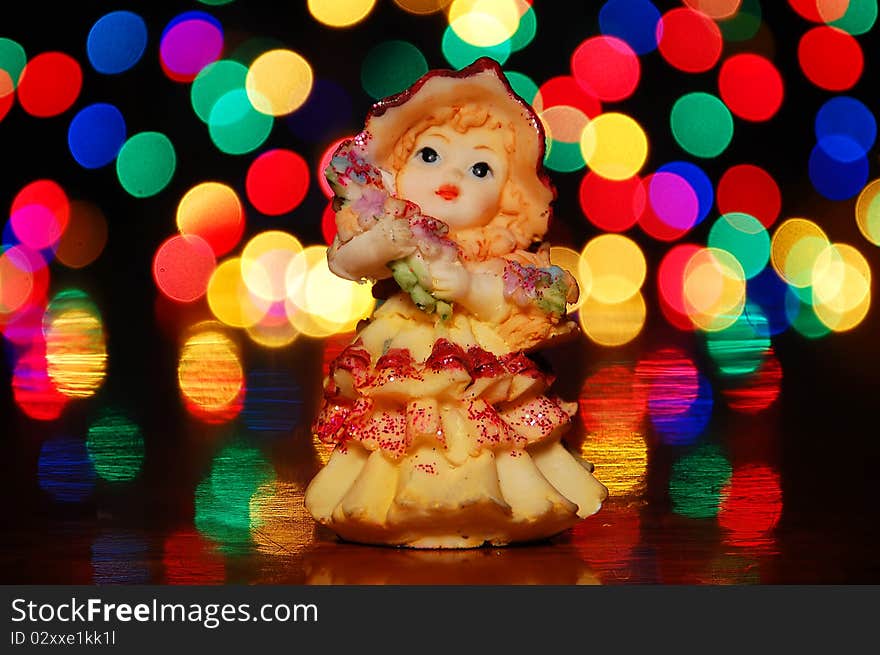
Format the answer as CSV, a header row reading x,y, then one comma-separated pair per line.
x,y
116,42
96,135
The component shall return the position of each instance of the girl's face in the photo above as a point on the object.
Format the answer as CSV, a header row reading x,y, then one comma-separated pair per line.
x,y
456,177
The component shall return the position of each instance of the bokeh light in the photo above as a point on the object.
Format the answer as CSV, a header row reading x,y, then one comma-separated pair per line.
x,y
210,374
689,40
633,21
182,266
606,67
612,205
33,389
701,124
213,82
745,238
751,86
333,13
844,116
274,404
190,42
820,11
116,446
229,298
739,349
12,61
614,145
278,82
697,480
265,261
390,67
751,505
717,9
751,190
64,469
830,58
40,214
744,24
613,324
116,42
755,393
50,83
236,128
563,127
838,167
698,182
484,23
277,181
868,212
714,289
673,206
76,349
859,18
84,238
422,7
670,284
616,266
212,211
570,260
146,163
459,53
841,286
795,245
96,135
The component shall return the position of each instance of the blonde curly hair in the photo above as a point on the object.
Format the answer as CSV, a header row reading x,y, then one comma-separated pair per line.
x,y
518,223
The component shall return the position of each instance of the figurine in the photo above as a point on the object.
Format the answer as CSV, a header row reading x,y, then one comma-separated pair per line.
x,y
446,435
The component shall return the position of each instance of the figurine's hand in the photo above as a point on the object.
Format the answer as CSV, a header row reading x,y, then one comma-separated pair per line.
x,y
449,280
397,238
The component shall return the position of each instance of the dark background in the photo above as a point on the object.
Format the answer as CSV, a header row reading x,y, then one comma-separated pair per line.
x,y
822,431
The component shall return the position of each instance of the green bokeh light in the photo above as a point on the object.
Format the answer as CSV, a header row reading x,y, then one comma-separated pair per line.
x,y
525,31
116,446
563,157
146,164
859,17
696,481
223,498
744,237
12,59
236,128
390,67
739,349
459,53
701,124
213,82
744,24
802,316
523,86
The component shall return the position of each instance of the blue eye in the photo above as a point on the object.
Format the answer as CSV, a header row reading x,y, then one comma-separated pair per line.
x,y
481,169
428,155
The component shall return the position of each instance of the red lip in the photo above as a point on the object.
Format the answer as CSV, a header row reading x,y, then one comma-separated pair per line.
x,y
447,192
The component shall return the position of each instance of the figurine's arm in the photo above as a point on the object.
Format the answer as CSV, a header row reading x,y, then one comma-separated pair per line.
x,y
367,254
480,292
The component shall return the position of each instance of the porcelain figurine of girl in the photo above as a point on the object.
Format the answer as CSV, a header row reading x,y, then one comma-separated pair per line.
x,y
445,433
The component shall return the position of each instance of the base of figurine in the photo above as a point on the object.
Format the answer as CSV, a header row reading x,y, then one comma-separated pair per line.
x,y
423,501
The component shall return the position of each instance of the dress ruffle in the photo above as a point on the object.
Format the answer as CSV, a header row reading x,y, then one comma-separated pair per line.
x,y
450,447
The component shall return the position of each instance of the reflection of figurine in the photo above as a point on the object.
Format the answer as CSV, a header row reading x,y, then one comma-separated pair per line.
x,y
445,436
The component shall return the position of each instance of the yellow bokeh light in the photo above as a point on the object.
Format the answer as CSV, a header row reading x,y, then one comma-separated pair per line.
x,y
340,13
570,260
620,462
794,248
422,7
209,371
717,9
76,352
321,303
209,210
229,298
278,82
868,212
274,329
614,146
613,324
484,23
841,286
616,265
564,123
714,289
264,263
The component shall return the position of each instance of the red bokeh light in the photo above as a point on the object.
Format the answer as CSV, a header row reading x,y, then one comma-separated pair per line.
x,y
183,266
830,58
606,67
40,214
751,505
328,224
612,205
749,189
565,90
277,181
757,392
689,40
670,284
820,11
50,84
751,87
